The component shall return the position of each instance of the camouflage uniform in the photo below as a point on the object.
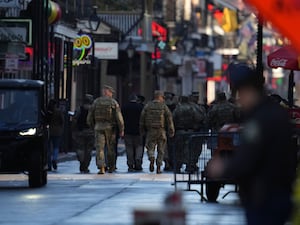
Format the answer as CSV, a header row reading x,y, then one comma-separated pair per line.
x,y
155,119
187,118
105,116
83,138
221,113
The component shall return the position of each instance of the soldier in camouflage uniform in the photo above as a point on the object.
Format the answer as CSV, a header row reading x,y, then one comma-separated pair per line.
x,y
105,116
187,119
201,122
155,119
221,113
83,135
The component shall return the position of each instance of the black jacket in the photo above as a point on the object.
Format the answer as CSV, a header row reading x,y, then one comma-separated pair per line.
x,y
131,114
265,163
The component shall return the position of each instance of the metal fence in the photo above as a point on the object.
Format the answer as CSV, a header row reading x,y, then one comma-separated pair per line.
x,y
191,154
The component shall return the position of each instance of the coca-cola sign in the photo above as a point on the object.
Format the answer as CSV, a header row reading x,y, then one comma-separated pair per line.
x,y
278,62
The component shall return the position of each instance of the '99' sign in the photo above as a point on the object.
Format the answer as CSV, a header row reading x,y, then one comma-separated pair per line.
x,y
83,44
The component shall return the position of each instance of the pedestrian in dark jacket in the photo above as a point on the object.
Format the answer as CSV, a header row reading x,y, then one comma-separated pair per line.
x,y
56,124
83,135
264,165
133,141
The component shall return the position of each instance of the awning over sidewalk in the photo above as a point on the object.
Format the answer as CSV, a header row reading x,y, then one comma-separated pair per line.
x,y
127,23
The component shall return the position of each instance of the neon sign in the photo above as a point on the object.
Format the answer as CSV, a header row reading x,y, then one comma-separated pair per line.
x,y
82,45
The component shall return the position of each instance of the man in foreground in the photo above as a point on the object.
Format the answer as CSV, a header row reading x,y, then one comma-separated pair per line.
x,y
264,164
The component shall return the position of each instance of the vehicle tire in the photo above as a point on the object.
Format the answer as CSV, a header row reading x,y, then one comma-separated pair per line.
x,y
37,173
212,191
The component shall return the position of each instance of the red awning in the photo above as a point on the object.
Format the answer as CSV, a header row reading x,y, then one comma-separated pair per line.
x,y
285,57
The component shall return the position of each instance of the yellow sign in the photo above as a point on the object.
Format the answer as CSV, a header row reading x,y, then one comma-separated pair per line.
x,y
230,22
284,15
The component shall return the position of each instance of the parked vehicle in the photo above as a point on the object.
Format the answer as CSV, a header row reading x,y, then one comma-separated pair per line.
x,y
23,130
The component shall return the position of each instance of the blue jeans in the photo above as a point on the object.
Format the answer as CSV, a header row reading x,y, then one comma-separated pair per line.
x,y
53,149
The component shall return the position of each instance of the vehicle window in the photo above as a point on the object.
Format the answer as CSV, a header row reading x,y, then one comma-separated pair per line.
x,y
18,107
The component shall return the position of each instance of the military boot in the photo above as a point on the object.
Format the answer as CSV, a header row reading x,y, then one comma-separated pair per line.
x,y
158,170
151,167
167,166
102,170
111,169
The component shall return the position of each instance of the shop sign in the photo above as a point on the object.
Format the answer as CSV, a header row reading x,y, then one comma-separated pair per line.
x,y
16,30
11,63
82,46
106,50
13,34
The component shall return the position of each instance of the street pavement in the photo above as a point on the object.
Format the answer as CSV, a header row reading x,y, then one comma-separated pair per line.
x,y
71,198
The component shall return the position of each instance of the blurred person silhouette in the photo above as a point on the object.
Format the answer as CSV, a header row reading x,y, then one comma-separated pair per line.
x,y
83,135
141,100
55,118
131,112
171,103
264,164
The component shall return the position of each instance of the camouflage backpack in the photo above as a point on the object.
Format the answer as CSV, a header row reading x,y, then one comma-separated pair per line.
x,y
104,109
155,115
184,117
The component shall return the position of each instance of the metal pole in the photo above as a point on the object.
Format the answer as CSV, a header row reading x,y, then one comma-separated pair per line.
x,y
68,133
291,89
94,67
156,67
259,60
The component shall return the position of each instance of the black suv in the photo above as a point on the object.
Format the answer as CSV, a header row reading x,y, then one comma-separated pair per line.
x,y
23,130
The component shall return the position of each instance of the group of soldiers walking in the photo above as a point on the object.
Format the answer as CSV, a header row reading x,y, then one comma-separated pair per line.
x,y
157,125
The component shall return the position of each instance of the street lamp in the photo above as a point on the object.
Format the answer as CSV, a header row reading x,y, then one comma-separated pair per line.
x,y
130,53
94,20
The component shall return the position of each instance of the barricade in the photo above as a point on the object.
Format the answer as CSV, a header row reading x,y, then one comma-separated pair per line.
x,y
192,152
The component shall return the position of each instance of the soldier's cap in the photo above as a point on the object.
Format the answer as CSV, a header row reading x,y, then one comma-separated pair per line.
x,y
109,88
158,93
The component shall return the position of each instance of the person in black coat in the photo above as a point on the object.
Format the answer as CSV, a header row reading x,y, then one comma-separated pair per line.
x,y
133,141
264,165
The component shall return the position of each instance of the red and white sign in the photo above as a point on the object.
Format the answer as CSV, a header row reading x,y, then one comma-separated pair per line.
x,y
106,50
285,57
